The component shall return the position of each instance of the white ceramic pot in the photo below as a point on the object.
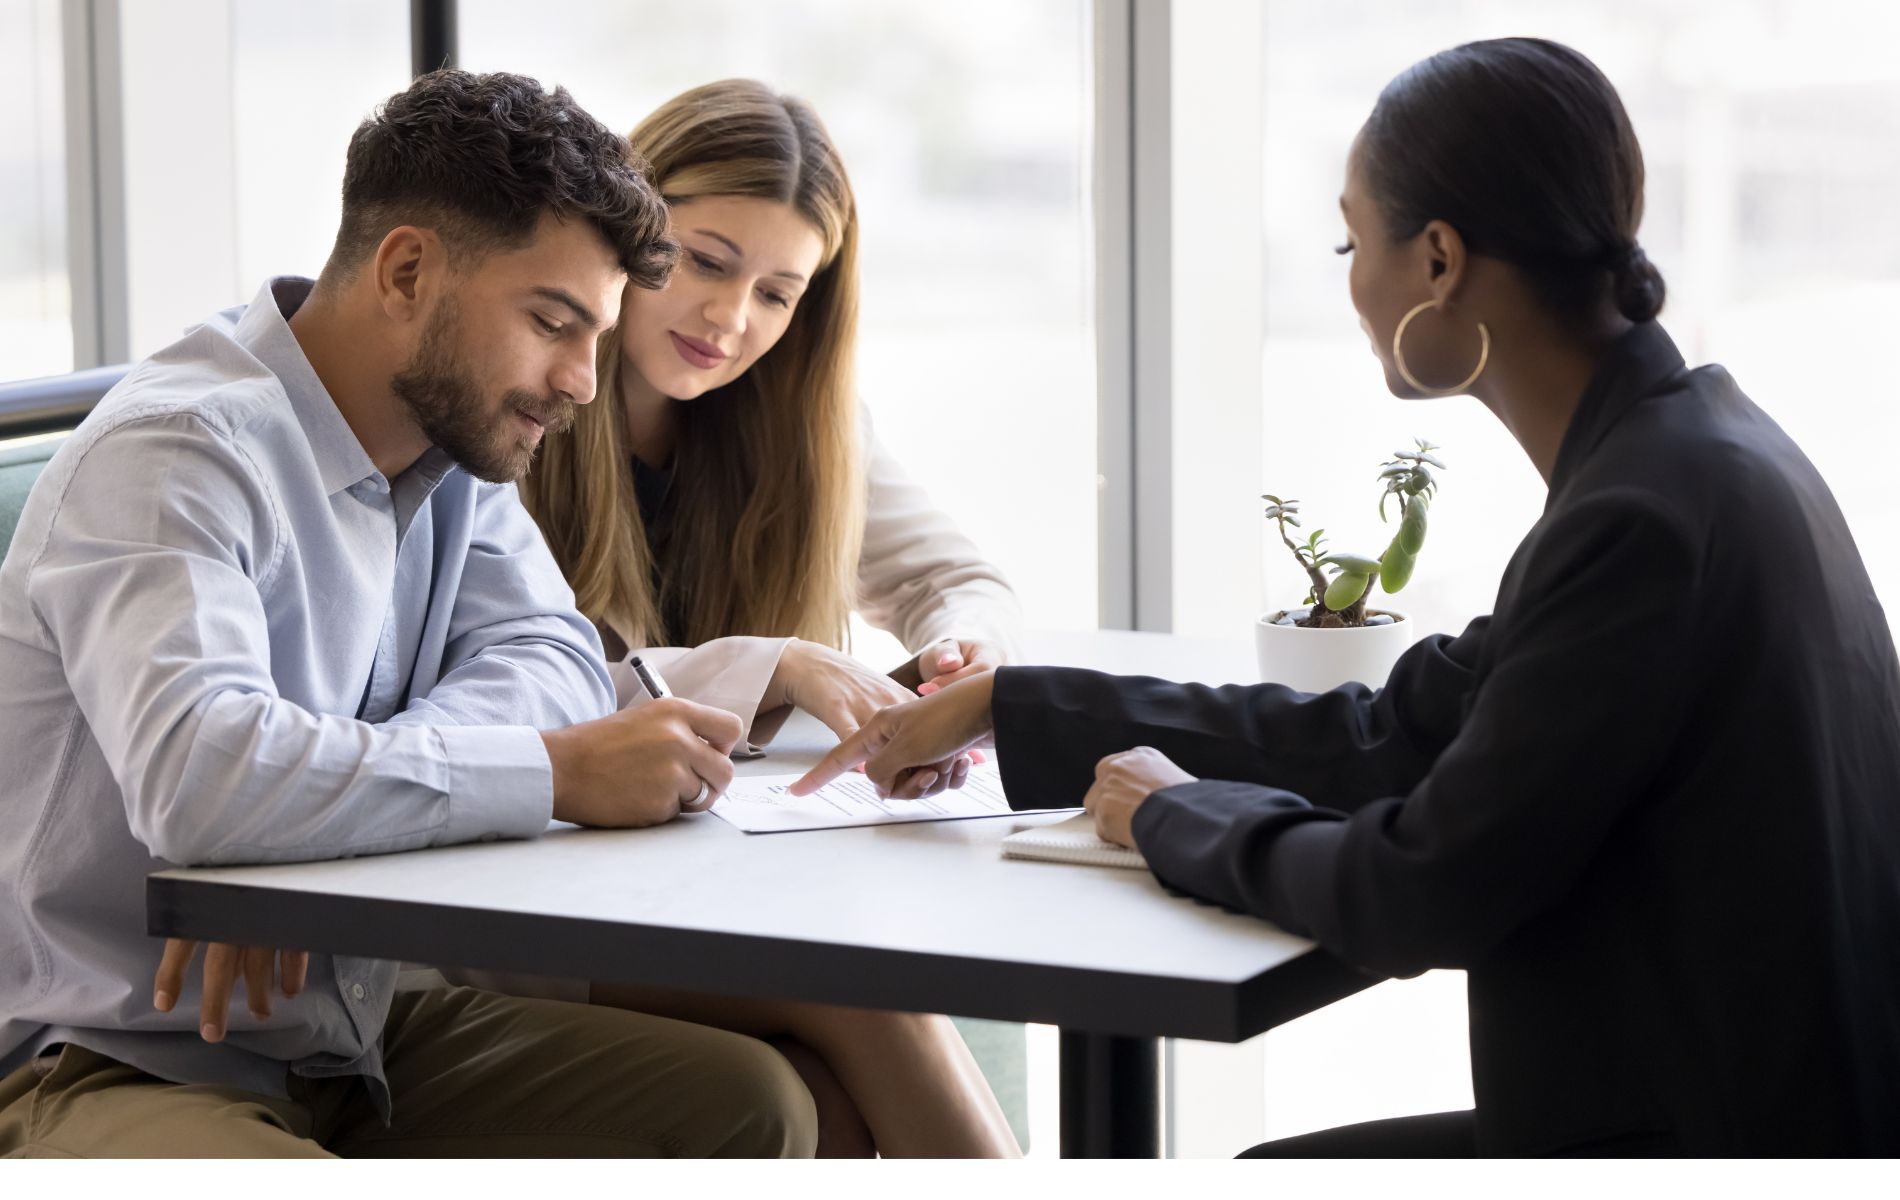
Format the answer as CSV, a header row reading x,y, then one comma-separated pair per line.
x,y
1318,660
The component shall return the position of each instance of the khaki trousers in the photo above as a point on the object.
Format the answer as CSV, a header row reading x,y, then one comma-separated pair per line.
x,y
472,1074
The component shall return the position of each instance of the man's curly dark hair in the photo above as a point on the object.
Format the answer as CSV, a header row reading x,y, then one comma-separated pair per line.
x,y
480,158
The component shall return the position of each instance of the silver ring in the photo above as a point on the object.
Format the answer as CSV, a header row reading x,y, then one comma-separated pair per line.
x,y
705,789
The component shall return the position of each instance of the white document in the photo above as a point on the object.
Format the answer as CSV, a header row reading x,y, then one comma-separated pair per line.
x,y
761,803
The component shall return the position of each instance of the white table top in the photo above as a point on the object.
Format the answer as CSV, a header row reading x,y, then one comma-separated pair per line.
x,y
924,916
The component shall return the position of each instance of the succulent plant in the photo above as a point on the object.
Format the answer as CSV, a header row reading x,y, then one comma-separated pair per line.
x,y
1340,600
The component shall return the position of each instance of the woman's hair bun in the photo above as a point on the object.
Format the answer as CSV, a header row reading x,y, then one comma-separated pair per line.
x,y
1637,285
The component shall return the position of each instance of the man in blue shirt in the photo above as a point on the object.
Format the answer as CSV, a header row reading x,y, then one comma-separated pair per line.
x,y
276,599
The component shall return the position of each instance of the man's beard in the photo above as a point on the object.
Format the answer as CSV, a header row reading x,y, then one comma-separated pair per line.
x,y
446,404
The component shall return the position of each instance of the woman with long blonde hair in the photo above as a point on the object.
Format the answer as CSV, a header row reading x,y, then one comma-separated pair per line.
x,y
721,509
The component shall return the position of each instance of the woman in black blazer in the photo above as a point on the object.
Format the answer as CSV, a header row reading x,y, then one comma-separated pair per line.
x,y
1650,803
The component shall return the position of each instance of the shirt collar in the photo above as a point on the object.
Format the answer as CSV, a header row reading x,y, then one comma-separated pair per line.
x,y
1636,365
342,463
264,330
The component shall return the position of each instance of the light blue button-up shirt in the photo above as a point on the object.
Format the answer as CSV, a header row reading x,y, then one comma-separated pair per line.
x,y
225,637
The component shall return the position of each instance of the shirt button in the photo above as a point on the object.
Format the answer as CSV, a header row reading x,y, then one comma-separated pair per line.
x,y
357,991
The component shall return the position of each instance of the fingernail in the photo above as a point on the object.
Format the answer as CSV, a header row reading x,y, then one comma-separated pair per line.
x,y
927,780
163,1001
926,689
976,756
210,1032
948,660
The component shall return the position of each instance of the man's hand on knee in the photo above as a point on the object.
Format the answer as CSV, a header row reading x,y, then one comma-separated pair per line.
x,y
223,965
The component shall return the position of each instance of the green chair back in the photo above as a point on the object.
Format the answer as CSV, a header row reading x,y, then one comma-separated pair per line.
x,y
20,464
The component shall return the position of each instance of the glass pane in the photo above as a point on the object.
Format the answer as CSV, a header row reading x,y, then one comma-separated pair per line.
x,y
1768,138
341,59
35,300
237,114
965,129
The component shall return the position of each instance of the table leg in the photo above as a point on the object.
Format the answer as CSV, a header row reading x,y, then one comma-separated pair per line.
x,y
1111,1096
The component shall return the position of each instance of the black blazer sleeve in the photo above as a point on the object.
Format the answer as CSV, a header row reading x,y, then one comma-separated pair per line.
x,y
1341,748
1586,691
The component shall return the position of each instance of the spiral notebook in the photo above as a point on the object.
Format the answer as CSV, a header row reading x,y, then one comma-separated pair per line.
x,y
1071,841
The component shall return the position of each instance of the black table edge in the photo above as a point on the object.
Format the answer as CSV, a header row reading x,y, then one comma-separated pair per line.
x,y
1078,999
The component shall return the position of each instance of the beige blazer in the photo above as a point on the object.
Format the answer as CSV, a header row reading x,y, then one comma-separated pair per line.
x,y
919,578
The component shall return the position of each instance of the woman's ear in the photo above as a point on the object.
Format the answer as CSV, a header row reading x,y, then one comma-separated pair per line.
x,y
1445,259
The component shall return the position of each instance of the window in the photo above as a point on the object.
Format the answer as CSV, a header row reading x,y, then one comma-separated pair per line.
x,y
237,114
965,129
35,298
1768,137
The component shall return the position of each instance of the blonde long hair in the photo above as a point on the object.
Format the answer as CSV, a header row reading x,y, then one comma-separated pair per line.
x,y
767,489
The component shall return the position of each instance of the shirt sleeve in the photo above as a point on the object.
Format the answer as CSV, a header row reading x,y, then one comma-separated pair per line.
x,y
518,651
919,577
149,588
1344,748
1569,730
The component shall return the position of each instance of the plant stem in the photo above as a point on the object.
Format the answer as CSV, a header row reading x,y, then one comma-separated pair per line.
x,y
1312,570
1355,613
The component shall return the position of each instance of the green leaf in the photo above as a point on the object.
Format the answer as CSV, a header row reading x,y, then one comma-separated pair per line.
x,y
1395,569
1347,587
1421,479
1355,564
1412,529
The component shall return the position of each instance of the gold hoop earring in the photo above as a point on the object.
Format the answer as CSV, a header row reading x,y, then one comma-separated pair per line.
x,y
1405,372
